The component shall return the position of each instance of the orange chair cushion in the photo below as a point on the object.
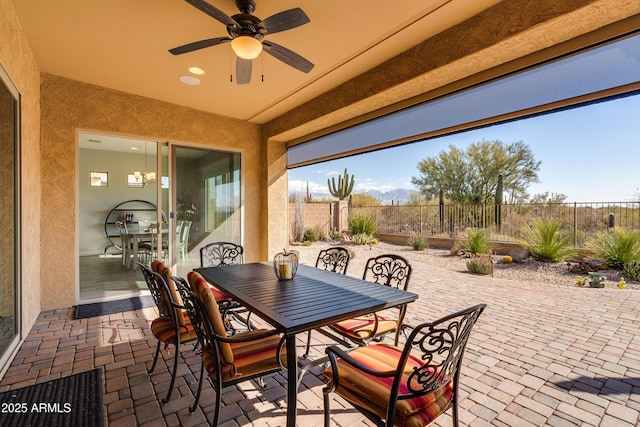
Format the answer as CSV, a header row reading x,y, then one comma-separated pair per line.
x,y
196,281
167,276
249,358
164,330
373,393
215,319
157,266
361,328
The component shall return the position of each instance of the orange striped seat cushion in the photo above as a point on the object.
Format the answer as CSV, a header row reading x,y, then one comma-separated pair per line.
x,y
362,327
249,358
196,281
164,329
372,393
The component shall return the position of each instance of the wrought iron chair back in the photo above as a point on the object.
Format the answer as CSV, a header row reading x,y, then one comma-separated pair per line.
x,y
221,253
440,347
334,259
201,320
390,270
169,327
154,288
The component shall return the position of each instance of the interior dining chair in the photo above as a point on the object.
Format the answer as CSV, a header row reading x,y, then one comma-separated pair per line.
x,y
172,326
183,241
336,259
228,360
125,243
408,386
388,270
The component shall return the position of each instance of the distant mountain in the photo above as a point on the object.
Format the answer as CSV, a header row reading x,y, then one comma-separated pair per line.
x,y
397,196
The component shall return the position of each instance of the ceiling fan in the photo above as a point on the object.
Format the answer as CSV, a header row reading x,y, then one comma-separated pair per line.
x,y
246,34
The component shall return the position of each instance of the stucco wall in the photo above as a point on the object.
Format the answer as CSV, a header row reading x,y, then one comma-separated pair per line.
x,y
18,60
69,105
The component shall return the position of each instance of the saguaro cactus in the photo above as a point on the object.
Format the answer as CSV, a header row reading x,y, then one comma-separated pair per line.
x,y
344,186
499,196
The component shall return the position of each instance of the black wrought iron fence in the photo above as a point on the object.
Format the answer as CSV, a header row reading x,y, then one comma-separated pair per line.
x,y
504,223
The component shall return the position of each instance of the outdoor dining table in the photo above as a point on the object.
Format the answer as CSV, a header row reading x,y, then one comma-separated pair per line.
x,y
312,299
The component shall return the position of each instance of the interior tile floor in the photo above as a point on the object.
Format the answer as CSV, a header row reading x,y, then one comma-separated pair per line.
x,y
539,355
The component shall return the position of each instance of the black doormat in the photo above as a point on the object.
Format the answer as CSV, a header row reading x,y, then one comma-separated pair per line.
x,y
110,307
70,401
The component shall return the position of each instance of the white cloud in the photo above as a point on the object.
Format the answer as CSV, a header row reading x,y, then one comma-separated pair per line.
x,y
298,186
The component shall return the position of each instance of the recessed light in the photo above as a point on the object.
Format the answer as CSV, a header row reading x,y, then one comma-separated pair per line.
x,y
196,70
134,148
190,80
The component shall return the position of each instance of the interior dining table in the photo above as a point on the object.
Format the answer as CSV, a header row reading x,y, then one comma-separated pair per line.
x,y
136,235
312,299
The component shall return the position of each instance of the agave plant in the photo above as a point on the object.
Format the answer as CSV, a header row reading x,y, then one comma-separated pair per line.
x,y
546,241
617,247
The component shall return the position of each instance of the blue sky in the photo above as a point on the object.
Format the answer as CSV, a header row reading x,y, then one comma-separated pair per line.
x,y
590,154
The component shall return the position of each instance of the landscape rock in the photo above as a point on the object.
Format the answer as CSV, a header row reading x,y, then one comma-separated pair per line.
x,y
519,254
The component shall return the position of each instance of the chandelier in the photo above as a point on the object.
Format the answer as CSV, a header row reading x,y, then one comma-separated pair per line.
x,y
145,177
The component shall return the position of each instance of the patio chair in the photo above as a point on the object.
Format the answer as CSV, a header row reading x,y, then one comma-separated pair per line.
x,y
409,386
227,360
221,253
388,270
217,254
172,326
334,259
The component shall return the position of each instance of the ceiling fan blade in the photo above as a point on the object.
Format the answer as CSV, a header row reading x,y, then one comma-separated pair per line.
x,y
190,47
243,70
212,12
286,20
287,56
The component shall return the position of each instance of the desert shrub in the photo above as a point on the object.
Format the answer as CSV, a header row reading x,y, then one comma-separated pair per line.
x,y
631,270
546,241
476,242
617,247
418,242
362,239
313,234
480,265
361,223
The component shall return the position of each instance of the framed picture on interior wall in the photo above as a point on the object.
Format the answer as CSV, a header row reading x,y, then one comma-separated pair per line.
x,y
134,180
99,179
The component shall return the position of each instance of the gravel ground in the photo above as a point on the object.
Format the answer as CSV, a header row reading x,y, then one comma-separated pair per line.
x,y
529,271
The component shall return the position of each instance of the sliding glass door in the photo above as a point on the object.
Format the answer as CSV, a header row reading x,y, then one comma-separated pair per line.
x,y
10,216
207,201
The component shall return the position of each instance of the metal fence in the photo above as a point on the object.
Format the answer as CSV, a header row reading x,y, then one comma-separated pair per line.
x,y
503,223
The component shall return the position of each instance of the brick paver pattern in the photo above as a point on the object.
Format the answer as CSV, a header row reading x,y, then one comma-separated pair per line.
x,y
539,355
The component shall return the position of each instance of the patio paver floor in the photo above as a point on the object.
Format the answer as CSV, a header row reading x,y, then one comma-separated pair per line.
x,y
539,355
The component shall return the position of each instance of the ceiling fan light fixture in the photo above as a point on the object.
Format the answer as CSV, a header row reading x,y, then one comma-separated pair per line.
x,y
246,47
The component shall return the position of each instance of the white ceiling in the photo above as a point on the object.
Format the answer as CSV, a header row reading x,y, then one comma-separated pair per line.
x,y
123,45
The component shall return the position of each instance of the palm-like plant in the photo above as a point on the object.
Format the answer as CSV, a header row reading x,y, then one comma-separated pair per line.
x,y
617,247
546,242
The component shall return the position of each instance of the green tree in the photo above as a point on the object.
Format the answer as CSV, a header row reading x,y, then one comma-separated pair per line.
x,y
471,175
361,199
547,198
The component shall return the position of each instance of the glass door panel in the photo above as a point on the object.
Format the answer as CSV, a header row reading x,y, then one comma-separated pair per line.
x,y
207,200
10,216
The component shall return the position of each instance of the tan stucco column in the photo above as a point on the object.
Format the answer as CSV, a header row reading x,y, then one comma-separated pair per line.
x,y
277,198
